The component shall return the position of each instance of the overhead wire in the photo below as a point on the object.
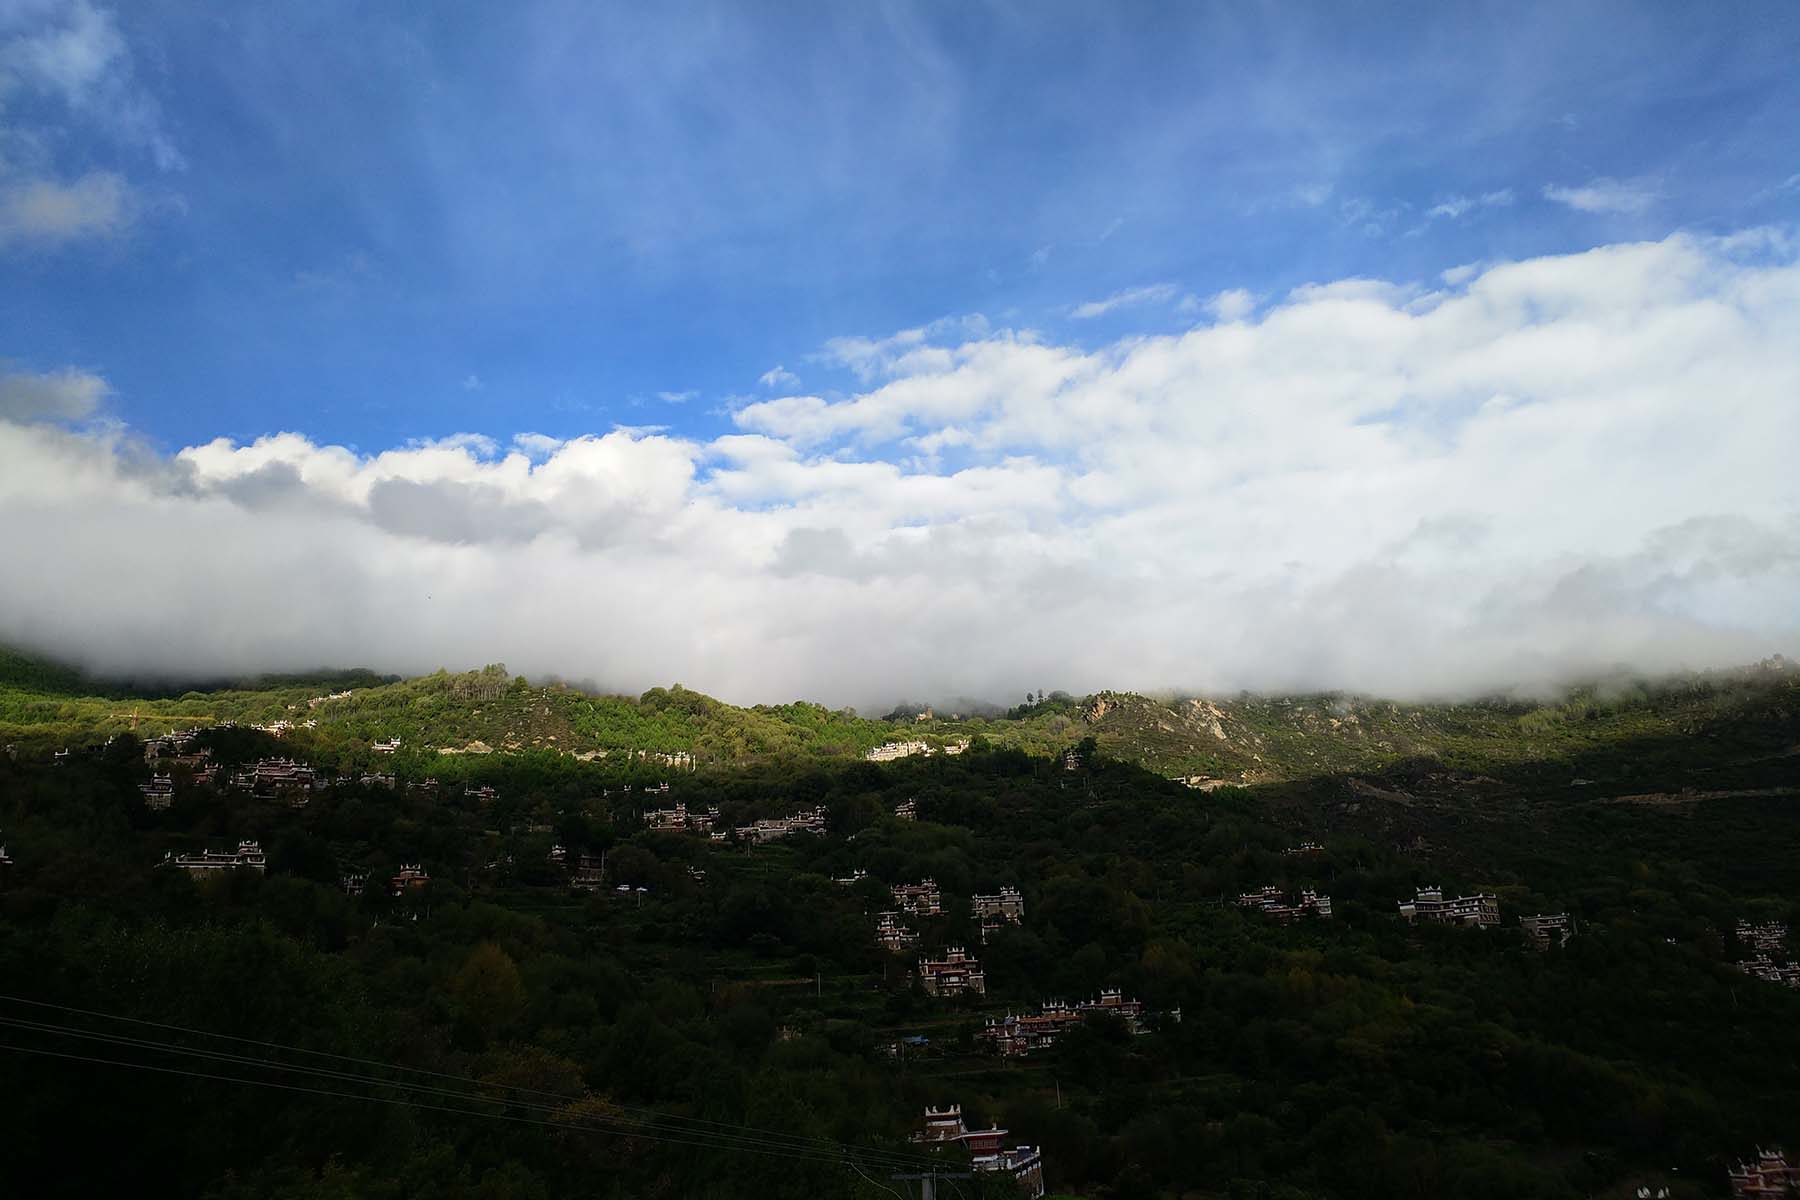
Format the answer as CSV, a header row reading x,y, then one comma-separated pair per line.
x,y
645,1122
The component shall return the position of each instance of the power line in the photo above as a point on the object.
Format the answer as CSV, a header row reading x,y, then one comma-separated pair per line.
x,y
394,1101
698,1131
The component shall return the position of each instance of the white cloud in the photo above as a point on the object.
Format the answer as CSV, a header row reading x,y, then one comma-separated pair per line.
x,y
471,383
536,445
1603,195
778,376
48,213
65,395
676,397
1155,293
1311,195
1232,304
1539,468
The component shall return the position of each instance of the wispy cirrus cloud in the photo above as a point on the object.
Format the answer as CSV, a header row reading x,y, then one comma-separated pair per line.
x,y
1455,207
1155,293
74,51
1605,196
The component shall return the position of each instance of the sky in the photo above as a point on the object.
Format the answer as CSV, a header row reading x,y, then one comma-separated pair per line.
x,y
854,352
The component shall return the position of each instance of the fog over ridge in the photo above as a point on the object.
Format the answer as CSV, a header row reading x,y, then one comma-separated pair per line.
x,y
1547,468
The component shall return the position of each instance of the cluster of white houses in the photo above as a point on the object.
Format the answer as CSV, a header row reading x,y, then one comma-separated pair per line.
x,y
680,820
275,775
1770,1177
176,750
1765,968
1020,1034
906,810
1480,910
1769,937
1272,902
810,820
889,751
248,856
1024,1165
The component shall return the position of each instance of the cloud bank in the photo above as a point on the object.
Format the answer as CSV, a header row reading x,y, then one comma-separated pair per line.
x,y
1554,466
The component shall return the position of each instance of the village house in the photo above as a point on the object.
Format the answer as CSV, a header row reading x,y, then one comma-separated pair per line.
x,y
890,751
481,795
943,1127
590,873
906,810
1767,938
270,775
387,747
1007,905
427,786
248,856
1017,1035
1071,760
377,779
892,935
920,899
410,878
953,975
852,879
1543,930
1305,848
159,793
1768,1178
956,747
1480,910
175,750
353,882
1272,902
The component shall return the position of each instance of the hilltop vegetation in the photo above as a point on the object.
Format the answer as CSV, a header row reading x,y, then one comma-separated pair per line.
x,y
1246,739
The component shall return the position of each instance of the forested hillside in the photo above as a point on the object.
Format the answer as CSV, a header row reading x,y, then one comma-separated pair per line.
x,y
716,1018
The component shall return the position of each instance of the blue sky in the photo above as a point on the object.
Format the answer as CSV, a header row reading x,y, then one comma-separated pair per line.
x,y
373,223
862,351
